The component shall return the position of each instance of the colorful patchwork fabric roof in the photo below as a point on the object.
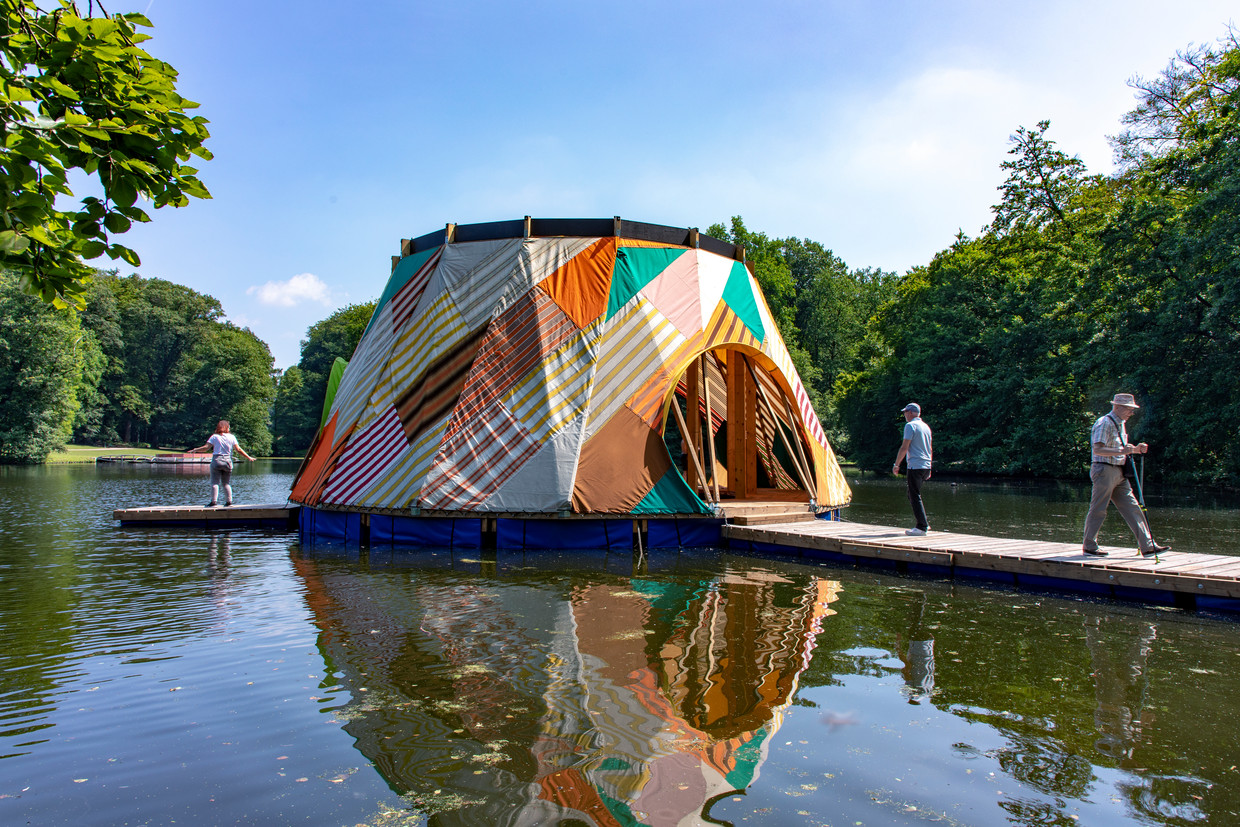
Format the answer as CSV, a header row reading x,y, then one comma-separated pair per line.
x,y
535,375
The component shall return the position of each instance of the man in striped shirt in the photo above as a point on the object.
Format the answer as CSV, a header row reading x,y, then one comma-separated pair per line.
x,y
1110,451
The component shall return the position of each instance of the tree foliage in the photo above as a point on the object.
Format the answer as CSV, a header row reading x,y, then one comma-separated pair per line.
x,y
173,367
45,361
299,399
1082,285
79,93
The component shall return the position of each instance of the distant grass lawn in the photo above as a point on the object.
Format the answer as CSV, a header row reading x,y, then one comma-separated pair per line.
x,y
87,453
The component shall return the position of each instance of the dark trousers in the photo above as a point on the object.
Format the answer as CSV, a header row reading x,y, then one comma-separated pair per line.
x,y
917,478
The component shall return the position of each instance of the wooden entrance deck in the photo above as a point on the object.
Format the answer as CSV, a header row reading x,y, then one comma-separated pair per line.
x,y
273,515
1177,578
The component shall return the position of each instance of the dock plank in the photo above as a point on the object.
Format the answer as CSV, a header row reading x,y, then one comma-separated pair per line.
x,y
1123,570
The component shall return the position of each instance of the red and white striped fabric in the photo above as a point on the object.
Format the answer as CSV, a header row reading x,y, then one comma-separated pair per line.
x,y
405,302
369,454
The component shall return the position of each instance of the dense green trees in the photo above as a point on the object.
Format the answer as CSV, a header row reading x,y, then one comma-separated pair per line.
x,y
47,363
1082,286
79,96
298,406
172,368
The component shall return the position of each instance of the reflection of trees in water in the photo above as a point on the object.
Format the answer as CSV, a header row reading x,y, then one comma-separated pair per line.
x,y
589,699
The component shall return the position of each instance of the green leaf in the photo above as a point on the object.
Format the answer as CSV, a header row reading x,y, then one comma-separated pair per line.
x,y
11,242
116,223
93,249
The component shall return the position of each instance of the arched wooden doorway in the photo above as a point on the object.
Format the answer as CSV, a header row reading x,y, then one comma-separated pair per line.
x,y
734,433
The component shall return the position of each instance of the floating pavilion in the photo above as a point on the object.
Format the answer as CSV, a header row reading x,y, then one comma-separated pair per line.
x,y
566,383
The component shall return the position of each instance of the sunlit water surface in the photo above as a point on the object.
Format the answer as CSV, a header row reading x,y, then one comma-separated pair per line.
x,y
153,676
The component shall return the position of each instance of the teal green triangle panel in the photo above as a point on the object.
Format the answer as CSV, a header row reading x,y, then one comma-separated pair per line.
x,y
671,495
747,757
635,268
400,277
738,295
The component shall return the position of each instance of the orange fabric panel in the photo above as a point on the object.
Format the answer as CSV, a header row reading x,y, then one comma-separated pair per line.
x,y
582,285
619,465
570,789
312,465
314,478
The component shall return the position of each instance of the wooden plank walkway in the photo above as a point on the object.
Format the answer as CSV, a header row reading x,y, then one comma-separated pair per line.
x,y
275,515
1176,577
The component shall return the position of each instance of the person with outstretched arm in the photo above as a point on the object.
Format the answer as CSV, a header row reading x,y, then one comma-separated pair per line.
x,y
918,448
222,444
1109,454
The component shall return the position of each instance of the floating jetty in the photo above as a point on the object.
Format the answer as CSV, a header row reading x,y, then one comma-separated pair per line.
x,y
271,515
1173,578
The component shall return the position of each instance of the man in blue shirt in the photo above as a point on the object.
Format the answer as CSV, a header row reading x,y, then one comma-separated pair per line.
x,y
917,447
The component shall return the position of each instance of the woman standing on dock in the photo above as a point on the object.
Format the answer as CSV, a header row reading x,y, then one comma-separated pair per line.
x,y
222,445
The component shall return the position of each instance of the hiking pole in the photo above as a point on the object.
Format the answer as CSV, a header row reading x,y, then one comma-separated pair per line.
x,y
1139,478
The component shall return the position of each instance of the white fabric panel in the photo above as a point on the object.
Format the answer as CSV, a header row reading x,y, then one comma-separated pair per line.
x,y
545,483
712,274
481,276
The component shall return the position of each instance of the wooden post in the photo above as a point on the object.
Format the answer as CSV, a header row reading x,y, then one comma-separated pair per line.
x,y
694,421
710,427
529,225
615,226
680,420
742,435
449,233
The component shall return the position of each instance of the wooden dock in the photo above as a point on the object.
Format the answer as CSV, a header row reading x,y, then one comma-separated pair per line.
x,y
1174,578
270,515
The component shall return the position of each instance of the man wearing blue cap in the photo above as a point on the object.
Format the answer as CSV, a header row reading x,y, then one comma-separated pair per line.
x,y
917,447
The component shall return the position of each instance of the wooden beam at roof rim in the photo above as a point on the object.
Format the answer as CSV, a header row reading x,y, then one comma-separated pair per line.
x,y
527,227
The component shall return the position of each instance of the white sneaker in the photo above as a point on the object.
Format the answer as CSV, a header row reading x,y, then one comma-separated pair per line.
x,y
917,532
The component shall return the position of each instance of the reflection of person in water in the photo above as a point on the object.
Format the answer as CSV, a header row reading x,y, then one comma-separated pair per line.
x,y
918,658
1119,664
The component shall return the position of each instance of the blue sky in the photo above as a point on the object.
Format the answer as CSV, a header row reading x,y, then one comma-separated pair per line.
x,y
876,128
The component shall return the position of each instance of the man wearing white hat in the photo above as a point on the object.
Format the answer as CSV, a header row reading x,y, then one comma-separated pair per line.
x,y
918,448
1109,455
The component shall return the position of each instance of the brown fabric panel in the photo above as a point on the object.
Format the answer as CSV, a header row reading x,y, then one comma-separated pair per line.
x,y
619,465
436,392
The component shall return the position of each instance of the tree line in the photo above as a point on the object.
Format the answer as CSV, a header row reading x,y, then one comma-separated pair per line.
x,y
1082,285
147,362
1012,341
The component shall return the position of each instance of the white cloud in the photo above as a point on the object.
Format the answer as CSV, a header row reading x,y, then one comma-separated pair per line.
x,y
304,287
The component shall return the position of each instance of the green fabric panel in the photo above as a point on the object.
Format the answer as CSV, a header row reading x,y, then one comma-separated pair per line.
x,y
738,294
747,758
671,495
400,277
333,382
635,268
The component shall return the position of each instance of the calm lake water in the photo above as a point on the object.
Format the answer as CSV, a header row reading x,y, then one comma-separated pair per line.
x,y
153,676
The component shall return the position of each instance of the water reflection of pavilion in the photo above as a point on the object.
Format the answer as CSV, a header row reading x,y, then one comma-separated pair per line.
x,y
551,697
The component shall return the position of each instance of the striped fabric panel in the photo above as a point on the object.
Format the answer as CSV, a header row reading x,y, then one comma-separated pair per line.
x,y
404,479
365,363
474,462
438,390
777,351
632,349
400,362
370,451
557,390
405,302
725,328
514,345
767,439
482,276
